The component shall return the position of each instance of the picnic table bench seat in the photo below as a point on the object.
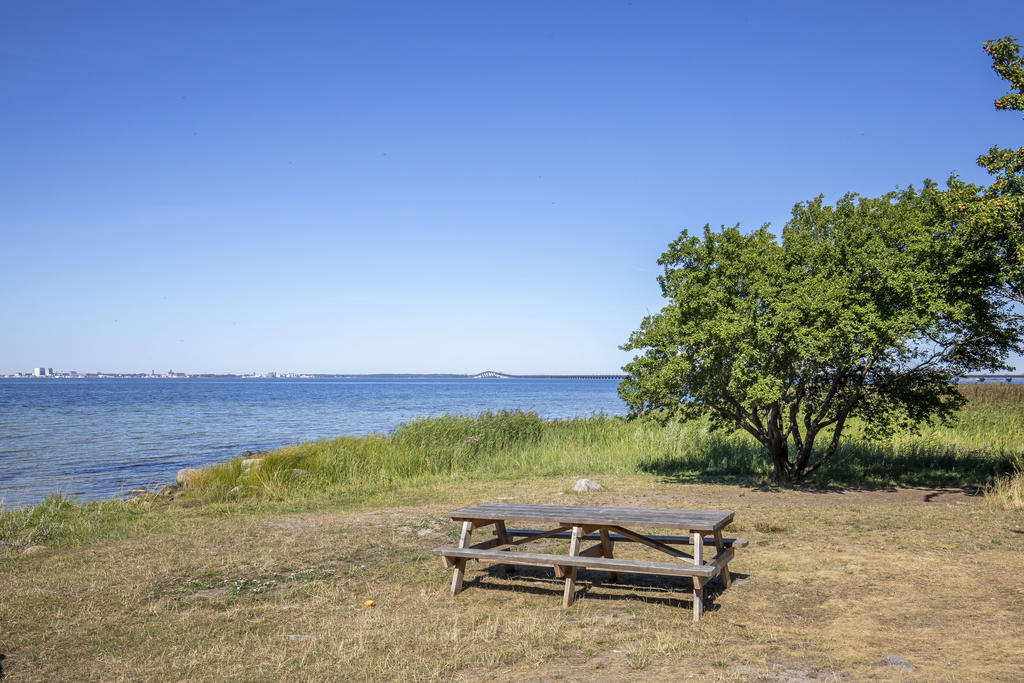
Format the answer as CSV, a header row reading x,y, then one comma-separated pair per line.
x,y
558,562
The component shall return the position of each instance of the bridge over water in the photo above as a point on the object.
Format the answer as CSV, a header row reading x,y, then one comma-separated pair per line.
x,y
492,374
965,379
1014,379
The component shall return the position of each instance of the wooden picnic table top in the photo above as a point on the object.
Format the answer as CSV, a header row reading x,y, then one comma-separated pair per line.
x,y
709,521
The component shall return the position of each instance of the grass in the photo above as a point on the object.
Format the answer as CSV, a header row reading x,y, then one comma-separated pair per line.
x,y
831,583
1008,492
260,572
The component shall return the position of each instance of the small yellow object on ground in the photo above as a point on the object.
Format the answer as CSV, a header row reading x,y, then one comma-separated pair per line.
x,y
368,603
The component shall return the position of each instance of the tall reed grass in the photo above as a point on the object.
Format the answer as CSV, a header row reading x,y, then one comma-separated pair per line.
x,y
983,444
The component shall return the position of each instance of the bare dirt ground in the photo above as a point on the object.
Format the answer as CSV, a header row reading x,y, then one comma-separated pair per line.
x,y
832,583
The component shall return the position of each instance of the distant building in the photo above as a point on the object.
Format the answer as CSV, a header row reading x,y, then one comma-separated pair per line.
x,y
42,372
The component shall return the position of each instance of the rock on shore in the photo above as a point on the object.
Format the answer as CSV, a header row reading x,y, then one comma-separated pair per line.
x,y
184,475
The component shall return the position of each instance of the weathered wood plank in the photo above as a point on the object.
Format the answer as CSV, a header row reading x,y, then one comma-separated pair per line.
x,y
569,596
669,540
460,565
563,531
698,598
657,545
720,545
489,543
593,551
501,536
460,572
722,559
477,523
692,520
606,546
707,570
467,531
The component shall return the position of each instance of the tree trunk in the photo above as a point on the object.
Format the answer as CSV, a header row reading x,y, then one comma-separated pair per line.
x,y
780,460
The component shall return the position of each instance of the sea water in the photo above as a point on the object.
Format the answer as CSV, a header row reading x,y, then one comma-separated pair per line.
x,y
97,438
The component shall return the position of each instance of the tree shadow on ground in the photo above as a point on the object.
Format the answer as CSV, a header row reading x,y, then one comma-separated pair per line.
x,y
861,465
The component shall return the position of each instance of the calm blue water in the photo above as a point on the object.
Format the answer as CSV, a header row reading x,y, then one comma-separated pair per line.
x,y
97,438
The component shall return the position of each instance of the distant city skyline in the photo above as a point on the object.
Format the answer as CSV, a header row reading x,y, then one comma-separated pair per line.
x,y
50,372
396,187
996,377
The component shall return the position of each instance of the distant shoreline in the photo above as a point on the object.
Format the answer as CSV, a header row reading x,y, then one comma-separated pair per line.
x,y
306,375
1009,378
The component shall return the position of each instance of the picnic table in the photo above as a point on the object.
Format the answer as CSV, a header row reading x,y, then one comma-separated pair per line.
x,y
606,526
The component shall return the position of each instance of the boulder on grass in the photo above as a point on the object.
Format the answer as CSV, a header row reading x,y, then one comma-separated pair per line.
x,y
584,485
181,479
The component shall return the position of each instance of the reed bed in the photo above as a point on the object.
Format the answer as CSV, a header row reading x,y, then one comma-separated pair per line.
x,y
985,442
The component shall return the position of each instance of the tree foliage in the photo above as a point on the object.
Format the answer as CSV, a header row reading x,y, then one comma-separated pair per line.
x,y
994,215
868,308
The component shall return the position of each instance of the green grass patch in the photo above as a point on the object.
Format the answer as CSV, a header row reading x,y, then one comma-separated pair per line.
x,y
61,520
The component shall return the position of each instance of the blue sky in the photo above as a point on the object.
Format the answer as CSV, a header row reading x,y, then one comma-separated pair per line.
x,y
436,187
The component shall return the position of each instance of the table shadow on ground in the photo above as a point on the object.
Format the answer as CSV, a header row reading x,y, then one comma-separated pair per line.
x,y
649,588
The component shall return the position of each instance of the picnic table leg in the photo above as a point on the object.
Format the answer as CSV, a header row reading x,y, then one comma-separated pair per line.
x,y
606,549
698,583
569,596
502,534
698,598
460,563
719,545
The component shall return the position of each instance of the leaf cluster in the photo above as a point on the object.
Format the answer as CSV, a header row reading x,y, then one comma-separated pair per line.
x,y
996,213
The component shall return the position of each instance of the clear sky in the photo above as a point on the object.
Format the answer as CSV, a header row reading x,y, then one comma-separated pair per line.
x,y
436,186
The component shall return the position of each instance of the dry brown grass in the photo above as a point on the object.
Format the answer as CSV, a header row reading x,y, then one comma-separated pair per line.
x,y
1007,492
831,583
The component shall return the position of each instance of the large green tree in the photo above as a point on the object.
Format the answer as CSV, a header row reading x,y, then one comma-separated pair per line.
x,y
868,308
